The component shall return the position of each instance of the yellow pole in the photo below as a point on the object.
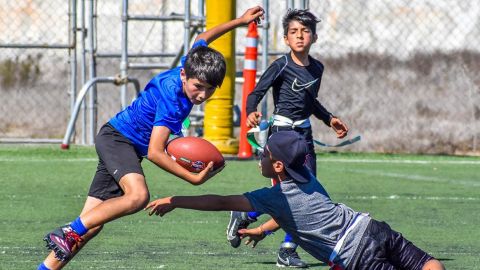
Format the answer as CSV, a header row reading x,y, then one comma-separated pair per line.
x,y
218,120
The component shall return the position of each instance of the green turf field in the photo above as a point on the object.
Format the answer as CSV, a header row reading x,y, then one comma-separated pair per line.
x,y
433,200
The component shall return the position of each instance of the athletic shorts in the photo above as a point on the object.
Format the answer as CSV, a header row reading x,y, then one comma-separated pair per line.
x,y
116,158
382,248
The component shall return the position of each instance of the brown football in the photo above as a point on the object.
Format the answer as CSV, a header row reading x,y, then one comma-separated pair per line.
x,y
194,153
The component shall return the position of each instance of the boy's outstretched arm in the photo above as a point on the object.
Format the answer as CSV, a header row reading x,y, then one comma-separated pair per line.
x,y
249,16
203,203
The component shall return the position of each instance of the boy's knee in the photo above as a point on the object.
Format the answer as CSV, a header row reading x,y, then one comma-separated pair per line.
x,y
433,265
139,200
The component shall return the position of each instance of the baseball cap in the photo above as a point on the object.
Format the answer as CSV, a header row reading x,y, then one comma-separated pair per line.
x,y
291,149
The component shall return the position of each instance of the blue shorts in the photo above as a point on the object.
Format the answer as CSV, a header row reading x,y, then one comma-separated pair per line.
x,y
382,248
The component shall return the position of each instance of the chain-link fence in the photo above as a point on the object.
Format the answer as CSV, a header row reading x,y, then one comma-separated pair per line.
x,y
34,81
403,74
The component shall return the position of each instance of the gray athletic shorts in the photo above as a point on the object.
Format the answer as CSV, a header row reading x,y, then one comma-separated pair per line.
x,y
116,158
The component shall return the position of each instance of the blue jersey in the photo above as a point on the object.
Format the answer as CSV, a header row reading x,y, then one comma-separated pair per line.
x,y
161,103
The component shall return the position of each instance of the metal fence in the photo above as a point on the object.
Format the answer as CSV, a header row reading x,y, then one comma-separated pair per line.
x,y
403,74
34,68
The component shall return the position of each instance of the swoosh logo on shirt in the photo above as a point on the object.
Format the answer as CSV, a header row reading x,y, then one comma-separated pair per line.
x,y
299,87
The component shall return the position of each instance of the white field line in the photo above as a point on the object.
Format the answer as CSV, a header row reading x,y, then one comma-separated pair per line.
x,y
339,160
400,161
420,198
416,177
26,159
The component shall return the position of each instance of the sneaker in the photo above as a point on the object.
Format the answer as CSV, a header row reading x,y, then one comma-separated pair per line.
x,y
61,241
238,220
288,257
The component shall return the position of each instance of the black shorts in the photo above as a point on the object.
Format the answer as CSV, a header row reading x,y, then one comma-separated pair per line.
x,y
382,248
116,158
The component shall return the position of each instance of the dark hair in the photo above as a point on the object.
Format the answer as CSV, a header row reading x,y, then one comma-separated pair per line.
x,y
303,16
205,64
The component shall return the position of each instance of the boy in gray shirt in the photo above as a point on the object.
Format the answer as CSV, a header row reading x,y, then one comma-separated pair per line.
x,y
331,232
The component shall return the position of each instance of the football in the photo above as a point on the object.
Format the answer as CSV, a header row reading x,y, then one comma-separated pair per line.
x,y
194,153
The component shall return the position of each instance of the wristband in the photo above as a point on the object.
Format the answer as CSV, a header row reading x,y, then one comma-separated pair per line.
x,y
267,232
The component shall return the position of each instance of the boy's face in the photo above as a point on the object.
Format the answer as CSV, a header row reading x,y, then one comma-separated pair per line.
x,y
266,164
299,37
196,90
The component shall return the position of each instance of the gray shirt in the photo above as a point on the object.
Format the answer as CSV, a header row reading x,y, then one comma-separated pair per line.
x,y
306,212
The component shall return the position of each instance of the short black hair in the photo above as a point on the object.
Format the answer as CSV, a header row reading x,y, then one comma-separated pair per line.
x,y
205,64
303,16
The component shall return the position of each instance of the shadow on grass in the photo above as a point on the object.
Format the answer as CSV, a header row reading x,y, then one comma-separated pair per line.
x,y
445,259
274,263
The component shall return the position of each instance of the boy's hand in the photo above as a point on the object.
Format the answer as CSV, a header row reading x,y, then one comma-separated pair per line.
x,y
253,119
160,207
254,235
253,14
206,174
339,127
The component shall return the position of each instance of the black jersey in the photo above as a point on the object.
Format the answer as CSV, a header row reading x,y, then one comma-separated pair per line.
x,y
295,89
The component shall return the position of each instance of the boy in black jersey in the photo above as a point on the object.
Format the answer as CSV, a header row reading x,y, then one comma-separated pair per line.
x,y
295,79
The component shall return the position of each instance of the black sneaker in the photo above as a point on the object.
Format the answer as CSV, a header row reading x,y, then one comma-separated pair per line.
x,y
62,241
288,256
238,220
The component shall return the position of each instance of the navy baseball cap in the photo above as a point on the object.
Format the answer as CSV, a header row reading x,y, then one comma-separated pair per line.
x,y
291,149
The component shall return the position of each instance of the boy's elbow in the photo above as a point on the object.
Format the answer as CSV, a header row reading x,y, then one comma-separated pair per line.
x,y
200,37
196,183
155,156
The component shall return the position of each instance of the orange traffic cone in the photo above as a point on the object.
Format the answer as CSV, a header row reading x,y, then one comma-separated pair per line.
x,y
249,76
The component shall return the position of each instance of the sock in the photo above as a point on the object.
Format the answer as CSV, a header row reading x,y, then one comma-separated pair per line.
x,y
78,227
288,238
288,245
42,267
254,215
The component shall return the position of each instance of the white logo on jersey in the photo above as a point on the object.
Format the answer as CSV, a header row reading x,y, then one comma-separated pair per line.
x,y
299,87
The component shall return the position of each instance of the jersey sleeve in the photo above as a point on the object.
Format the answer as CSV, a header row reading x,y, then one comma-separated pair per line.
x,y
262,200
168,113
321,113
266,81
167,117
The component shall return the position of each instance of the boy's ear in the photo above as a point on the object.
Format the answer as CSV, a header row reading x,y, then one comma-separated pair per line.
x,y
278,166
183,75
315,37
285,40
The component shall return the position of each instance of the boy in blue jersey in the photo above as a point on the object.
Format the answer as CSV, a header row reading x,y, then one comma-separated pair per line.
x,y
331,232
142,130
295,79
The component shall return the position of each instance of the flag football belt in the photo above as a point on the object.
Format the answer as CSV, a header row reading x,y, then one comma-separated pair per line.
x,y
282,121
340,242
